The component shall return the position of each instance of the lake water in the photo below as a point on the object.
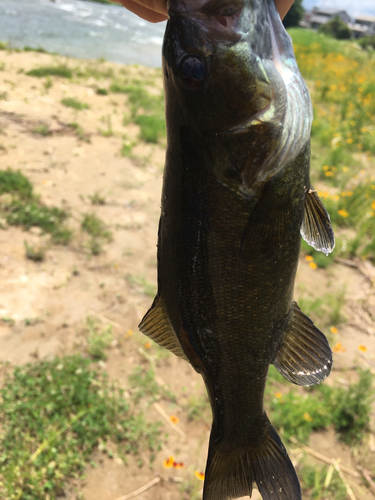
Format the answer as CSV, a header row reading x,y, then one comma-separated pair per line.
x,y
82,29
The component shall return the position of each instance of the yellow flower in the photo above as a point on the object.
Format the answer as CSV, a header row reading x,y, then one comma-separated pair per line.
x,y
349,140
199,475
329,174
309,258
168,462
278,395
339,348
147,345
178,465
373,205
129,334
345,169
313,265
343,213
174,419
362,348
325,168
307,417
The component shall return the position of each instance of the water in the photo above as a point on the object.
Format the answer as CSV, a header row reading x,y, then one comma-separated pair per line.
x,y
82,29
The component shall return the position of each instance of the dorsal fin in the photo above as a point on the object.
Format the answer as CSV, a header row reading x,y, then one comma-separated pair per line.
x,y
316,227
157,326
305,357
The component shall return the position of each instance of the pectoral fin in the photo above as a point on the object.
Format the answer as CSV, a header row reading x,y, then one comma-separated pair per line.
x,y
305,357
316,227
156,326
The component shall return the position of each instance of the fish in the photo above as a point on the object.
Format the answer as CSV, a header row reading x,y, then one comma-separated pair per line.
x,y
236,199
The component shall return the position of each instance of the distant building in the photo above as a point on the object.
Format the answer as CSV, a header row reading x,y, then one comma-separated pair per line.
x,y
317,17
362,25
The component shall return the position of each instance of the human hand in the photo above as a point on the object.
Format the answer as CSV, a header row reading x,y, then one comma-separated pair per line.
x,y
155,11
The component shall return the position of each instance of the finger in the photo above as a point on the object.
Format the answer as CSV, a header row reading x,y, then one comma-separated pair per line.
x,y
152,11
283,6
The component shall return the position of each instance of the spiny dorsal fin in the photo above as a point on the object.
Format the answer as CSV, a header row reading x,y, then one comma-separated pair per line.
x,y
305,357
157,326
316,227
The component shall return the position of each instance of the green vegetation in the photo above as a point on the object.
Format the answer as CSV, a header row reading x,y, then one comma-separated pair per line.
x,y
62,71
81,134
97,198
99,338
35,252
322,483
367,42
337,28
71,102
294,15
42,129
147,110
102,91
143,385
298,414
23,208
99,232
141,285
54,414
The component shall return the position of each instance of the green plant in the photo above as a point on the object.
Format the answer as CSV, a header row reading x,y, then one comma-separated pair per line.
x,y
97,198
42,129
81,134
337,28
99,338
13,181
62,71
94,226
71,102
197,407
143,384
102,91
36,253
141,285
322,483
54,414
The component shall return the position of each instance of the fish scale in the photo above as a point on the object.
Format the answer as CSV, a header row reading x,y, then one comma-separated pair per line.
x,y
236,199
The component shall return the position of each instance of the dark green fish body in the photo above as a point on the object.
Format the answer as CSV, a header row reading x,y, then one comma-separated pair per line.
x,y
236,198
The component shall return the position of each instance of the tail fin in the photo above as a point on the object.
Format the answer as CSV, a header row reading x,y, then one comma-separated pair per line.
x,y
232,474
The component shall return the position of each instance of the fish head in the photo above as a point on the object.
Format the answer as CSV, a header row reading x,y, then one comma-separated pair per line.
x,y
229,71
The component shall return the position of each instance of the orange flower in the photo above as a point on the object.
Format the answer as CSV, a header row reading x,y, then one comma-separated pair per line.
x,y
278,395
313,265
343,213
339,348
147,345
199,475
334,329
129,334
362,348
168,462
309,258
174,419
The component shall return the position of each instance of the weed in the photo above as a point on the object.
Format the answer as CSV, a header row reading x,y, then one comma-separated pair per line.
x,y
97,198
47,84
33,321
95,246
126,149
36,253
144,385
196,407
322,482
14,182
42,129
141,285
94,226
81,134
102,91
8,321
99,338
54,414
71,102
62,71
152,127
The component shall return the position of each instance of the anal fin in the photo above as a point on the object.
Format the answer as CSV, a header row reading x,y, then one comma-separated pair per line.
x,y
316,227
157,327
305,357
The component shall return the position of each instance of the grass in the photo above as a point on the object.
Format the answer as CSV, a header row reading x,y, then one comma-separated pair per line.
x,y
98,231
71,102
81,134
141,285
24,208
42,129
99,338
36,253
54,414
61,71
146,110
96,198
144,386
298,414
322,483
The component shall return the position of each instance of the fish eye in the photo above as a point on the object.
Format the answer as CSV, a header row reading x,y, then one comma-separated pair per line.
x,y
193,71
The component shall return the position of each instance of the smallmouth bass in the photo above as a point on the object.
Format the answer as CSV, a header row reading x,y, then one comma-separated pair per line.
x,y
236,199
